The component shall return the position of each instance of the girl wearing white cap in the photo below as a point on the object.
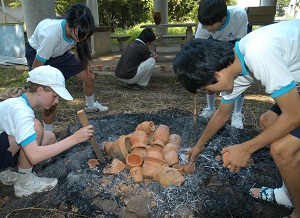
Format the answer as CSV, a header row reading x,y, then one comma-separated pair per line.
x,y
50,44
22,137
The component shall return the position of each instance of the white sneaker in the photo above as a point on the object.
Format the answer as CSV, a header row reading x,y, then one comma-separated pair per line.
x,y
97,108
8,177
207,113
237,120
35,184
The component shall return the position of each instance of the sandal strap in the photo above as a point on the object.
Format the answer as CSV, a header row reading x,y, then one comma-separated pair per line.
x,y
267,194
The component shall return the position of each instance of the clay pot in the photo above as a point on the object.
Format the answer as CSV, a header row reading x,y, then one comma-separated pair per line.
x,y
155,152
150,138
115,167
169,176
225,157
178,167
147,126
106,147
158,143
133,160
136,174
175,139
141,151
151,166
157,17
139,145
120,148
138,136
188,168
171,157
169,147
99,67
134,164
162,133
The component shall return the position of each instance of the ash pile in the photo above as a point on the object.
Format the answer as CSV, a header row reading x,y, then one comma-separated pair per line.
x,y
211,191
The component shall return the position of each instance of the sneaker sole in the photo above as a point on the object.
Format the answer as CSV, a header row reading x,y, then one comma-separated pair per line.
x,y
97,110
25,193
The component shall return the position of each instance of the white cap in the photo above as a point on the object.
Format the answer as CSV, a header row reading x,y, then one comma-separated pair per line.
x,y
50,76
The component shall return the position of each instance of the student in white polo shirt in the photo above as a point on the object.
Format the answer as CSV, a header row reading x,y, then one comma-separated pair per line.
x,y
222,23
268,56
23,140
50,44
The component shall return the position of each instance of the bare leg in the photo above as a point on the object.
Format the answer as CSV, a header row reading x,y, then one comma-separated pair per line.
x,y
286,155
88,80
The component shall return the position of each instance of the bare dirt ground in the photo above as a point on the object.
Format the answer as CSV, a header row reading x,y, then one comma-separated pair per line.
x,y
211,191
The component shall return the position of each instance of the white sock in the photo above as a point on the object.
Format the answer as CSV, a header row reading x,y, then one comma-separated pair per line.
x,y
48,127
238,105
24,175
211,101
282,196
90,101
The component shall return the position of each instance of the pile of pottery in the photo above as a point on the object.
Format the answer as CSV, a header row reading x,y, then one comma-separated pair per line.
x,y
149,152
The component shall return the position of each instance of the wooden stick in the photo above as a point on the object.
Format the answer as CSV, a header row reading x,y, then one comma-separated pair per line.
x,y
84,121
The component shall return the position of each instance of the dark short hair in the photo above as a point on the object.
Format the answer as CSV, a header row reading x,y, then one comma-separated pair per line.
x,y
211,11
196,64
147,35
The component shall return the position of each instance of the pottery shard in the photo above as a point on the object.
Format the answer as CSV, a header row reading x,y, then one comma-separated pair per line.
x,y
93,163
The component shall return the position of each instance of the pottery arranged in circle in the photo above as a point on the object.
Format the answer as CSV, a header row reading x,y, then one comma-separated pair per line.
x,y
147,126
162,132
175,139
133,160
169,176
151,166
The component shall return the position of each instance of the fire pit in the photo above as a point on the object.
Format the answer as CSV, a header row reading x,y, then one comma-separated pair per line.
x,y
212,191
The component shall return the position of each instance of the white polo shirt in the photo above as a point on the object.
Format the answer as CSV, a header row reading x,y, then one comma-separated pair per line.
x,y
49,39
270,57
234,28
17,120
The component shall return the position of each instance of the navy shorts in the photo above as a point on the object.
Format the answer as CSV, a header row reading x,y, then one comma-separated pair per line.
x,y
277,110
6,159
66,63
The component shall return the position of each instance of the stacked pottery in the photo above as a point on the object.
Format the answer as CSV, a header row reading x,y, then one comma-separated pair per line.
x,y
120,148
162,133
170,154
106,147
175,139
148,127
138,140
134,164
151,166
169,176
155,152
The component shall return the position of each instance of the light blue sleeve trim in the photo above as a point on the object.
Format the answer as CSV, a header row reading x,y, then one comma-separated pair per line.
x,y
241,57
40,59
231,100
283,90
28,140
